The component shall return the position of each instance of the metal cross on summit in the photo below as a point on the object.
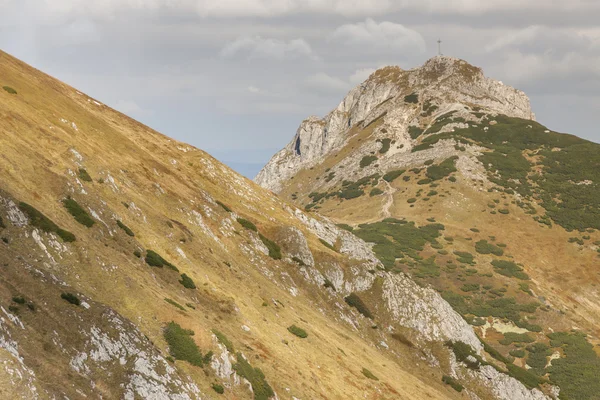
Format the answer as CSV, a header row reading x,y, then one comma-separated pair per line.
x,y
439,47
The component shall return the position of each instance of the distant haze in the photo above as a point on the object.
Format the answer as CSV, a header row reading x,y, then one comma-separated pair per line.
x,y
236,78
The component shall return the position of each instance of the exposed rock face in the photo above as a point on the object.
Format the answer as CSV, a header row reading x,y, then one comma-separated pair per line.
x,y
449,82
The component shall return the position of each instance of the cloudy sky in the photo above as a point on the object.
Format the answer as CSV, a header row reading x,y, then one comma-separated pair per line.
x,y
236,77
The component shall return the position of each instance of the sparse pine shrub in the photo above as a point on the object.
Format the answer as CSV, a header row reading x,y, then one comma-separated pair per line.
x,y
414,132
345,227
224,340
181,344
187,282
78,212
354,301
527,378
385,145
392,175
328,284
218,388
425,181
137,253
412,98
274,249
2,226
18,300
517,353
9,89
125,228
367,160
483,247
326,244
42,222
225,207
71,298
375,192
503,211
369,374
453,383
174,303
411,200
261,388
509,269
301,333
465,354
298,261
154,259
247,224
84,176
444,169
512,337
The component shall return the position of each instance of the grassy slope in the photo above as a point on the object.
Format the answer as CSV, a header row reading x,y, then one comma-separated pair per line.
x,y
35,163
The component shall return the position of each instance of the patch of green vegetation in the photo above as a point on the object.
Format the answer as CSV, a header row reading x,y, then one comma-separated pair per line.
x,y
442,170
411,200
578,371
274,249
464,257
412,98
428,109
538,357
425,181
42,222
71,298
375,192
2,226
465,354
503,211
261,388
326,244
369,374
512,337
427,268
345,227
174,303
187,282
415,132
385,145
395,239
495,353
301,333
298,261
181,345
354,301
518,353
223,206
509,269
453,383
392,175
137,253
84,176
19,299
247,224
470,287
367,160
483,247
78,212
154,259
125,228
440,122
524,376
218,388
224,340
9,89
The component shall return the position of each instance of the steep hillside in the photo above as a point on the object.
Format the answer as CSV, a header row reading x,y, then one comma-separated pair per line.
x,y
135,266
450,178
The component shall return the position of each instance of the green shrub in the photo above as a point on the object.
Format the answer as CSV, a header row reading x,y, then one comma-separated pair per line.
x,y
412,98
375,192
453,383
470,287
42,222
538,357
137,253
465,354
84,176
274,249
444,169
503,211
301,333
128,231
298,261
247,224
326,244
261,388
411,200
78,212
525,377
187,282
509,269
9,89
414,132
224,340
154,259
518,353
175,304
392,175
425,181
345,227
2,226
354,301
349,194
464,257
367,160
181,345
218,388
71,298
483,247
18,300
369,374
512,337
225,207
385,145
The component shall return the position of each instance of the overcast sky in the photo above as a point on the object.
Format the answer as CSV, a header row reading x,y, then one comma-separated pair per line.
x,y
236,77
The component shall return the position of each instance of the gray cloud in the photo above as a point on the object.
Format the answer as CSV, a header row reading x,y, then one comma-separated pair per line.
x,y
259,47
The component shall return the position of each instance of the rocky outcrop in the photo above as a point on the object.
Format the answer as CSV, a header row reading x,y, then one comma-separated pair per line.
x,y
448,82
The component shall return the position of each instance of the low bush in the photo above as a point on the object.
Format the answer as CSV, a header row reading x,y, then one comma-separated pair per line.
x,y
181,345
453,383
375,192
524,376
326,244
19,300
301,333
247,224
223,206
224,340
261,388
274,249
367,160
128,231
42,222
483,247
412,98
392,175
354,301
414,132
444,169
385,145
518,353
512,337
2,226
84,176
218,388
345,227
9,89
78,212
174,304
509,269
154,259
71,298
137,253
187,282
369,374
